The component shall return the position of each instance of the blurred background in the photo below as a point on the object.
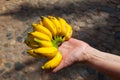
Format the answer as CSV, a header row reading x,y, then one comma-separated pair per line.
x,y
96,22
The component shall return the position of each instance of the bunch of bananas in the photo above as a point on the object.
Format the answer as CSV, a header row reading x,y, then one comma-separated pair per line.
x,y
46,37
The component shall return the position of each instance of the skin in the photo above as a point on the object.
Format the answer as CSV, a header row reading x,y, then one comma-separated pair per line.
x,y
80,51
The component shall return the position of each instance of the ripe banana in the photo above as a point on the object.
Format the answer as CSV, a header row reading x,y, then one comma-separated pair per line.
x,y
30,52
63,26
48,52
46,37
40,22
69,32
56,23
42,29
43,43
31,44
39,35
53,62
48,24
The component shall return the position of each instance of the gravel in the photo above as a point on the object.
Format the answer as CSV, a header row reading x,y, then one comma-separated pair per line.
x,y
94,21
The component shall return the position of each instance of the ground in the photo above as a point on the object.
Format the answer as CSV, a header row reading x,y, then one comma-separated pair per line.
x,y
96,22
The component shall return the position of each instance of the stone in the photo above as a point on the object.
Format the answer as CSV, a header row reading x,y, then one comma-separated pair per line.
x,y
4,8
91,71
89,21
117,35
2,70
9,35
76,28
1,61
20,39
6,45
19,66
84,74
100,76
23,77
104,14
82,24
108,9
12,42
118,6
24,53
113,20
82,34
8,65
6,75
115,51
24,34
11,6
57,8
116,28
17,76
90,25
92,43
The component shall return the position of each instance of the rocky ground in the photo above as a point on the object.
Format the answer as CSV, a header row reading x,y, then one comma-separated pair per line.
x,y
96,22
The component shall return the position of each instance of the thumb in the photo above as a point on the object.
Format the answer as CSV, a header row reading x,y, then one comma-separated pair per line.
x,y
59,67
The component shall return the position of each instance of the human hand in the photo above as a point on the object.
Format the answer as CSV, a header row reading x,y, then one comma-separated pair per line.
x,y
72,51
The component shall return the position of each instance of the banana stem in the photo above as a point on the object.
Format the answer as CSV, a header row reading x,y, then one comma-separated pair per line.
x,y
57,41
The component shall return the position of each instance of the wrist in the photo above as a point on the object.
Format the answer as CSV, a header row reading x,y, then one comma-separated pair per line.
x,y
91,54
88,54
84,56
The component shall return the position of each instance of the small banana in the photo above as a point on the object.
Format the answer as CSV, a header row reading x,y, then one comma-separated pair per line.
x,y
48,24
46,37
56,23
31,44
40,22
30,52
48,52
63,26
53,62
39,35
43,43
42,29
69,32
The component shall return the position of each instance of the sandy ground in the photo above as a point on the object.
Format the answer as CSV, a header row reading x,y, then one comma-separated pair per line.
x,y
96,22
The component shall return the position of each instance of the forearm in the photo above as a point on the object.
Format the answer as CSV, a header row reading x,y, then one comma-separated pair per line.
x,y
104,62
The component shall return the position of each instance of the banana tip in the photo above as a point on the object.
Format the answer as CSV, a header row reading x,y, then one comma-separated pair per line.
x,y
33,24
30,51
42,17
43,67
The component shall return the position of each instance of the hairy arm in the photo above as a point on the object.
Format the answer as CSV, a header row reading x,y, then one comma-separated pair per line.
x,y
75,50
103,62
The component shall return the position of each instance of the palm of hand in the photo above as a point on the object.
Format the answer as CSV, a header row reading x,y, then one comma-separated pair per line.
x,y
71,51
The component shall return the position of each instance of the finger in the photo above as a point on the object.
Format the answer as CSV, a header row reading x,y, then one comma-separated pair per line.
x,y
59,67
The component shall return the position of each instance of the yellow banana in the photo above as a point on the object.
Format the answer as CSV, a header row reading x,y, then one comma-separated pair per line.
x,y
69,32
63,26
42,29
31,44
53,62
39,35
40,22
30,52
56,23
46,37
48,24
48,52
43,43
